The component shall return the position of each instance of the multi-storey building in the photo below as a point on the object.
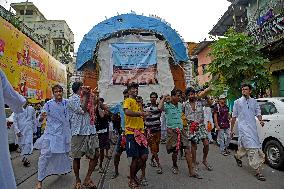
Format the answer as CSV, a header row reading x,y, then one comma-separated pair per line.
x,y
57,37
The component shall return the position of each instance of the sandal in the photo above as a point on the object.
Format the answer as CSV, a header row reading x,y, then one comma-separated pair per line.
x,y
133,185
208,167
143,182
114,175
78,185
175,170
260,177
152,164
239,162
90,185
159,170
195,175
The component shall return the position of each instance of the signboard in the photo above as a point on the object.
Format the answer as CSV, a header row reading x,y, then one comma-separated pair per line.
x,y
29,68
133,62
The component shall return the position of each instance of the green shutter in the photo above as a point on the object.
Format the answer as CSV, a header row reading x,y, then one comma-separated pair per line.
x,y
281,84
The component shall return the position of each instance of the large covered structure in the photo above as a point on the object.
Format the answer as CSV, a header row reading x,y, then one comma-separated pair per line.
x,y
132,48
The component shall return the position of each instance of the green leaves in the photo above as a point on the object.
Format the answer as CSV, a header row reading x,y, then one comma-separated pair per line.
x,y
236,59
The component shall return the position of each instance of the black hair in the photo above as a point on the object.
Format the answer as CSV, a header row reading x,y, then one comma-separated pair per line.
x,y
57,87
174,92
139,98
125,91
76,86
154,94
247,85
132,85
189,90
102,100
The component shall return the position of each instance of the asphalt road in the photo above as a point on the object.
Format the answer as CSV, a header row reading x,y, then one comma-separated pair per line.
x,y
226,174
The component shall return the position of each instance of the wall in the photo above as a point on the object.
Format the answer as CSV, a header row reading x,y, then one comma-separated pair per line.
x,y
203,58
113,93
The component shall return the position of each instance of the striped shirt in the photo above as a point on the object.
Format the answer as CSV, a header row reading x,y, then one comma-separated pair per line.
x,y
153,121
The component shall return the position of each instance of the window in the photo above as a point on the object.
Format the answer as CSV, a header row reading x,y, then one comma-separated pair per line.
x,y
28,12
267,108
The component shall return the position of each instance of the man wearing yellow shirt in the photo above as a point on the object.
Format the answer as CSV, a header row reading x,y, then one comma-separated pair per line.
x,y
136,143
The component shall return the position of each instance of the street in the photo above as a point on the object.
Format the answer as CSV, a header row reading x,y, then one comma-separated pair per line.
x,y
225,175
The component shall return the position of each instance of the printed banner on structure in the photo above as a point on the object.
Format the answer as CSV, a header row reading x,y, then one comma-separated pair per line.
x,y
134,62
28,67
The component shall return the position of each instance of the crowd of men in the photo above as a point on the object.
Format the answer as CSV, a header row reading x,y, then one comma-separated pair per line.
x,y
80,126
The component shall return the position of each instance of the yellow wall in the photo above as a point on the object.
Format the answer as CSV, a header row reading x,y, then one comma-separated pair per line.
x,y
28,67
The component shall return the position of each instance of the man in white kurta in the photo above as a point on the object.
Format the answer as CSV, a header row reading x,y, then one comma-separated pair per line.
x,y
55,142
24,125
15,101
246,109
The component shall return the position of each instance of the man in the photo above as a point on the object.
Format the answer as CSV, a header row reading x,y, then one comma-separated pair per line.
x,y
15,102
102,127
245,109
153,128
194,112
84,139
25,124
176,136
120,147
222,122
55,142
136,143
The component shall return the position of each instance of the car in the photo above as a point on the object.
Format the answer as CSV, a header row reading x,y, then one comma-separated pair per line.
x,y
271,135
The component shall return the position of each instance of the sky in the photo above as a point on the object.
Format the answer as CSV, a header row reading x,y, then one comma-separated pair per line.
x,y
193,19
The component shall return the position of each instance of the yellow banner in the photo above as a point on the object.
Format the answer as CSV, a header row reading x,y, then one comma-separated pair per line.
x,y
28,67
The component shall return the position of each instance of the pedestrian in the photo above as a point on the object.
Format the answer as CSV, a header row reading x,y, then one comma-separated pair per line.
x,y
208,118
136,143
15,101
55,143
84,140
222,122
194,112
102,128
245,109
120,145
25,125
176,135
153,130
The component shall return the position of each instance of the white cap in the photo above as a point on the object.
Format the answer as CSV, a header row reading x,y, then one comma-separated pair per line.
x,y
222,96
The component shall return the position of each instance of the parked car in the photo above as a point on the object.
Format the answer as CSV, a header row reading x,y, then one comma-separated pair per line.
x,y
271,135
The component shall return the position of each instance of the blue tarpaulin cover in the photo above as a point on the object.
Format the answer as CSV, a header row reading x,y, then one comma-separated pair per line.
x,y
124,22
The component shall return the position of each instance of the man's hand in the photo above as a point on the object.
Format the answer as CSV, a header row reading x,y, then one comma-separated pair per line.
x,y
19,134
232,134
218,128
144,114
261,123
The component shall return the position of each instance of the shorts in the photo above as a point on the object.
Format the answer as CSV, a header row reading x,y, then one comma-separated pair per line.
x,y
172,138
104,142
154,142
199,135
84,145
133,149
118,147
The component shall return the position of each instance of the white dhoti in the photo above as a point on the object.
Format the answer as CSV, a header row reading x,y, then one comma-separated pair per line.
x,y
50,163
255,156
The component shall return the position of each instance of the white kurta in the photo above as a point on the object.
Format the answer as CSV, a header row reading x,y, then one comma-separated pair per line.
x,y
245,111
15,101
55,142
25,123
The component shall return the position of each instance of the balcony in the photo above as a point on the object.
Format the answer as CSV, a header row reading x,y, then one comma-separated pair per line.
x,y
269,31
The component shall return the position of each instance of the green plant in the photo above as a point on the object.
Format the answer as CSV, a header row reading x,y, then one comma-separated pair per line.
x,y
237,60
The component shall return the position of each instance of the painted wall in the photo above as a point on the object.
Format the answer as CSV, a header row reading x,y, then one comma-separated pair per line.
x,y
203,59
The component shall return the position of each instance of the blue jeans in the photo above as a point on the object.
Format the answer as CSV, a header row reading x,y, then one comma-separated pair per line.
x,y
224,138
